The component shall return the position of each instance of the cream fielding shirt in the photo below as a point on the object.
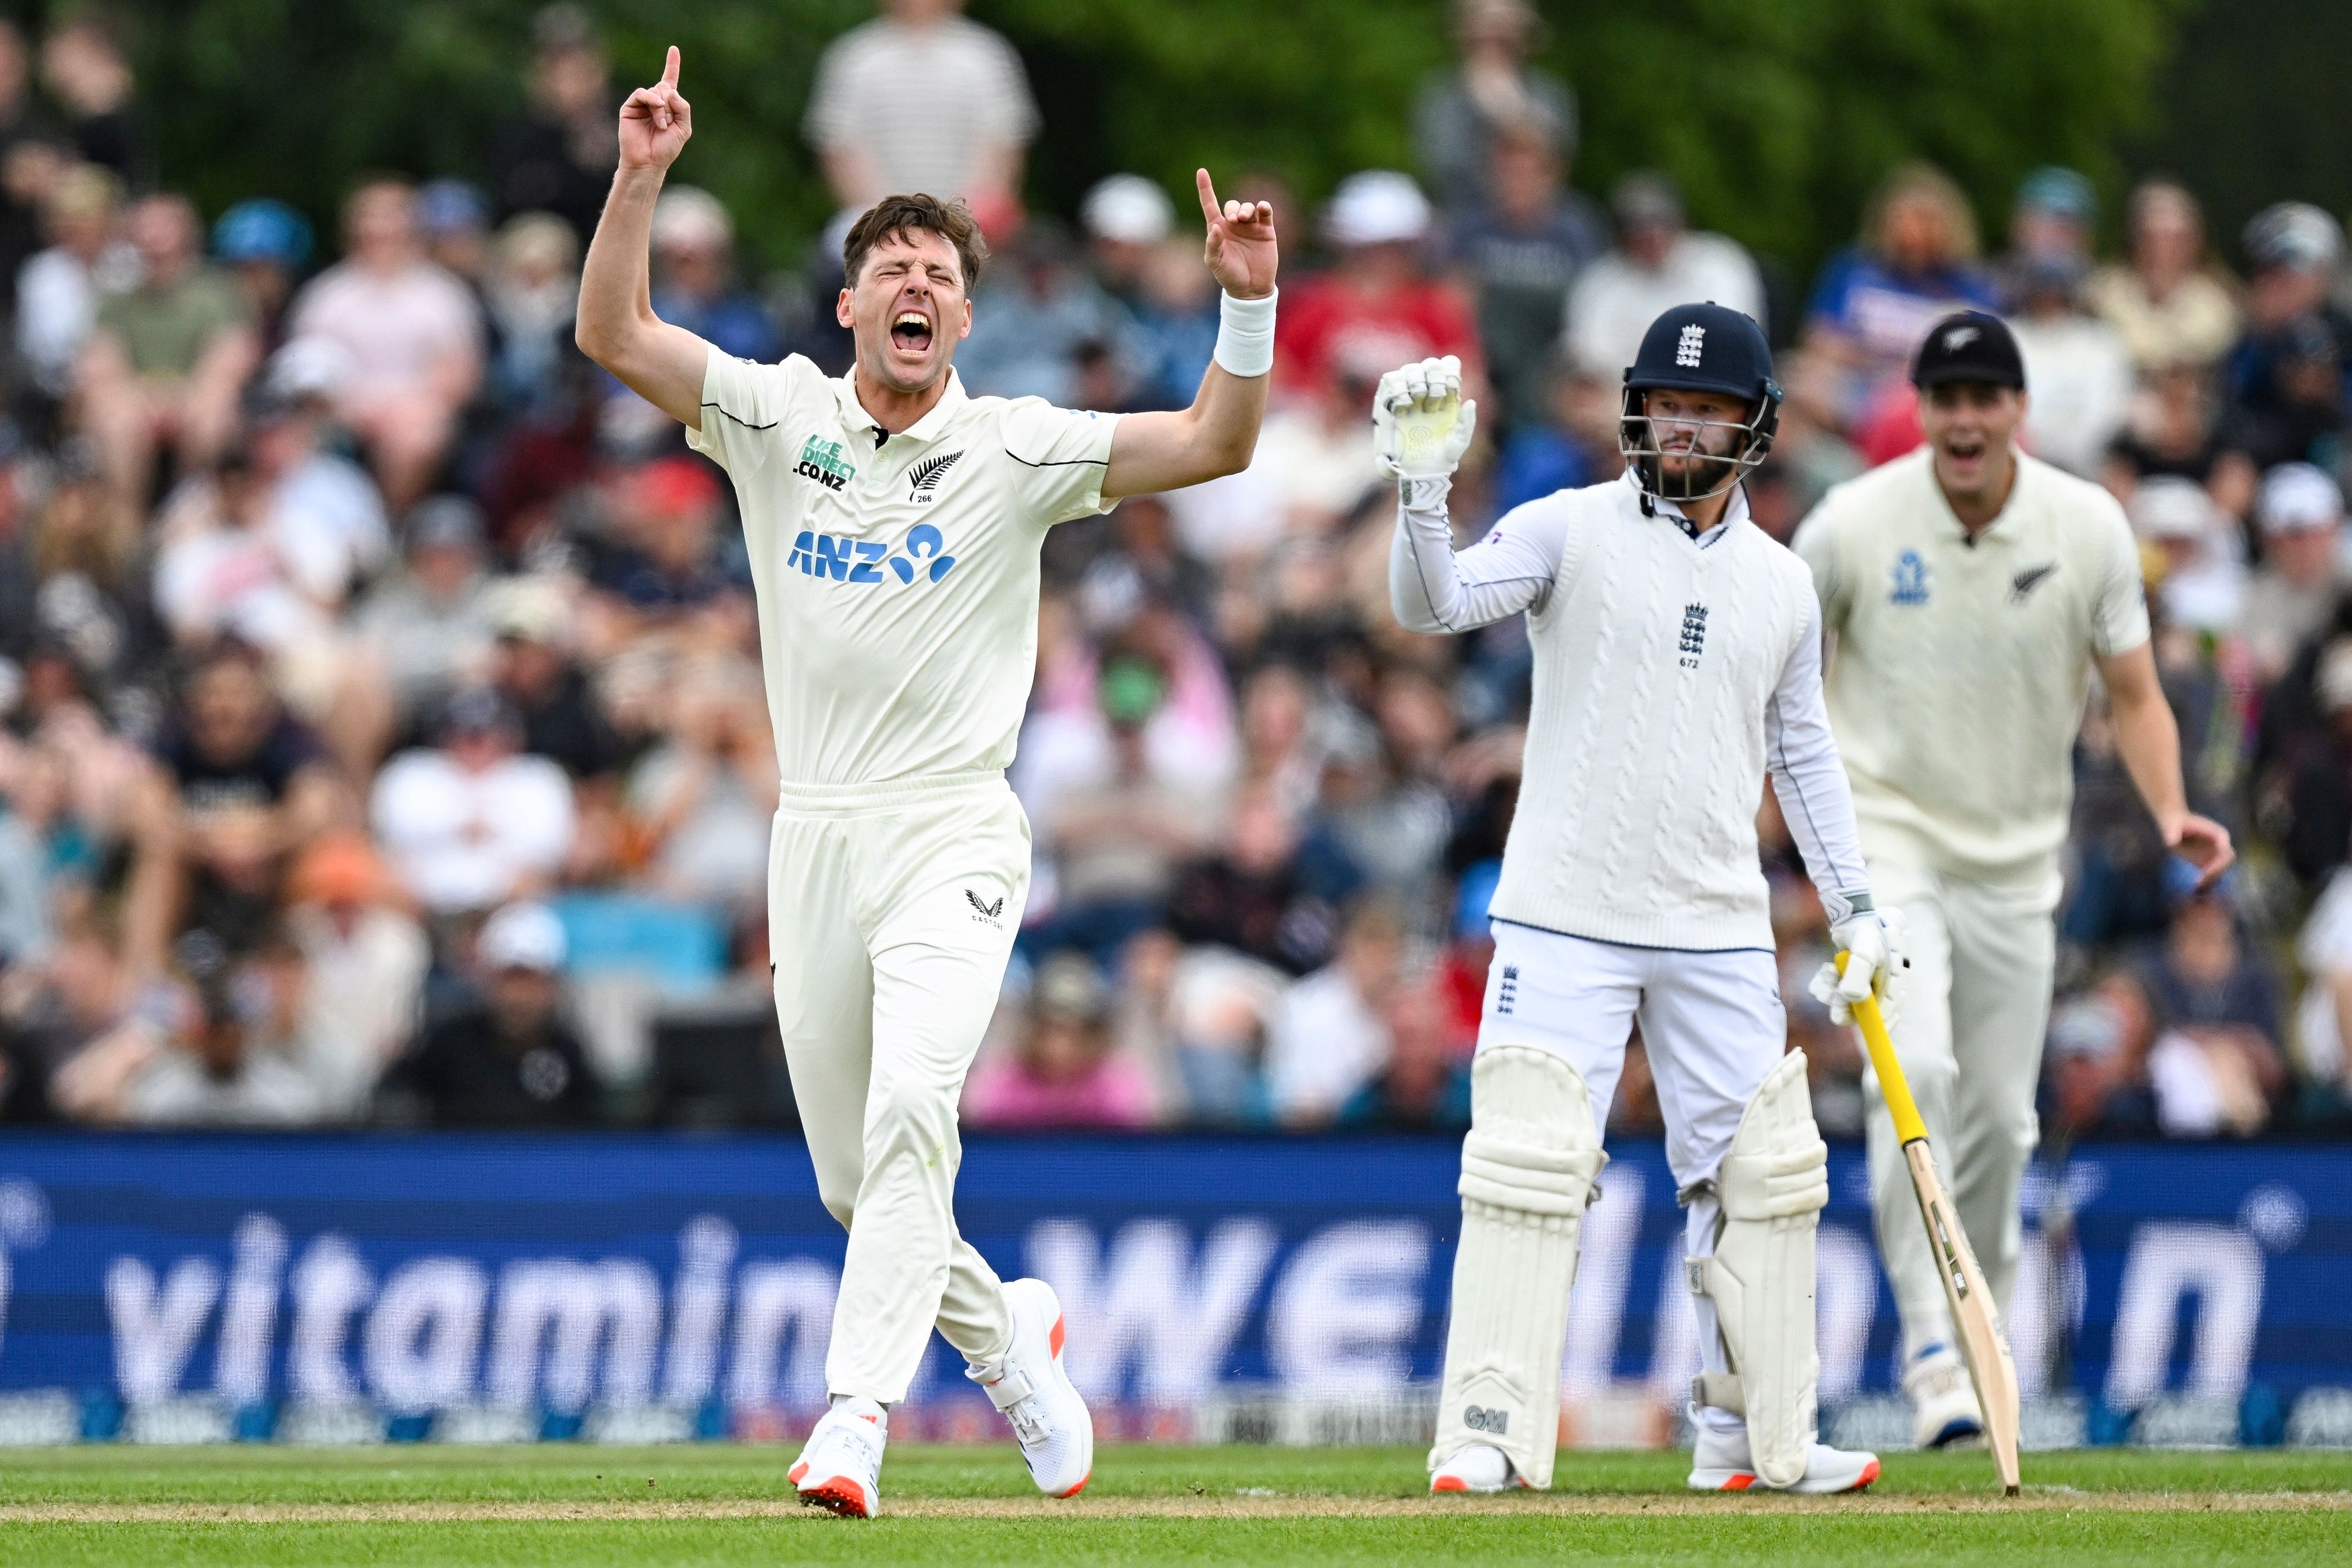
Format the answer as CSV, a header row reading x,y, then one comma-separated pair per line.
x,y
896,578
1957,686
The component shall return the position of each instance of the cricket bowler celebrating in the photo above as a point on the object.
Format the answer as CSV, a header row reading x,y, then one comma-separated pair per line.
x,y
894,525
1970,589
1678,660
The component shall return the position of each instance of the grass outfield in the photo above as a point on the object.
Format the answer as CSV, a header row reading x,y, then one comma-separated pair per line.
x,y
580,1506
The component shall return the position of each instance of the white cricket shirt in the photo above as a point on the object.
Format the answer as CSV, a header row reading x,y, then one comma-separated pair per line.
x,y
896,578
1957,686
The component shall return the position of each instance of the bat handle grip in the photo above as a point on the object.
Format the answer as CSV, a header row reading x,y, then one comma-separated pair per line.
x,y
1900,1106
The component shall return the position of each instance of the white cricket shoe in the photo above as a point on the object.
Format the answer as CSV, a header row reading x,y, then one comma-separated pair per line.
x,y
1480,1467
1944,1410
841,1468
1049,1419
1720,1464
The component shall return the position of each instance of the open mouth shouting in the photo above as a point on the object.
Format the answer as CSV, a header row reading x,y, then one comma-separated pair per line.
x,y
911,331
1964,450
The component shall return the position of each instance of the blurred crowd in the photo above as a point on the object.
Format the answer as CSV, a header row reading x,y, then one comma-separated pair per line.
x,y
381,734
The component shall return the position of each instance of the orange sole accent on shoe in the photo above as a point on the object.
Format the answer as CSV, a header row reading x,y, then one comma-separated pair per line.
x,y
796,1472
1868,1475
1053,1341
1449,1483
1740,1482
840,1496
1079,1488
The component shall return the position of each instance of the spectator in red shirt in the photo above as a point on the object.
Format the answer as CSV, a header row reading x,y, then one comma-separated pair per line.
x,y
1460,975
1378,307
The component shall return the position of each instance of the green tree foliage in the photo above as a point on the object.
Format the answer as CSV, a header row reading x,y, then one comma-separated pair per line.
x,y
1778,116
293,97
1307,90
2252,110
1779,119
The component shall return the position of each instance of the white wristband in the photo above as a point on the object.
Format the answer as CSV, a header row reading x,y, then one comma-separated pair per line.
x,y
1245,335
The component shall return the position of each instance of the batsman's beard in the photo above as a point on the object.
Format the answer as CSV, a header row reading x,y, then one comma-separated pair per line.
x,y
1701,467
1700,474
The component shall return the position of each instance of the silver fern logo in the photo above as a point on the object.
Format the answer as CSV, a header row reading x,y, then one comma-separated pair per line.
x,y
923,478
2022,585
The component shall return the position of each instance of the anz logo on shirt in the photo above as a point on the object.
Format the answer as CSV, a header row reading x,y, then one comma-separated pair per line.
x,y
837,559
1910,579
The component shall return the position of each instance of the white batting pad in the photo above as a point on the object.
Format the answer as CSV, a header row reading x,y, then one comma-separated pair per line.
x,y
1527,1170
1773,1186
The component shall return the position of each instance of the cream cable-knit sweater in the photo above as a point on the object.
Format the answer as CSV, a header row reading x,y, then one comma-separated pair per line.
x,y
1670,675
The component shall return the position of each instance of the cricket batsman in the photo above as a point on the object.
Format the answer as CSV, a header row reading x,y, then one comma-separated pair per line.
x,y
1970,589
894,525
1678,662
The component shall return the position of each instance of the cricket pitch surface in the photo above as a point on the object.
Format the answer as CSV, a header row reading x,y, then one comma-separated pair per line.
x,y
1267,1507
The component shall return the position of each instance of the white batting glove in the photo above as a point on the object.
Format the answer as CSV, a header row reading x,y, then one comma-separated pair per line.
x,y
1872,942
1421,428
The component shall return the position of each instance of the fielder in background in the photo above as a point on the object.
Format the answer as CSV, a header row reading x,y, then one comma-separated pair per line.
x,y
894,525
1970,589
1677,660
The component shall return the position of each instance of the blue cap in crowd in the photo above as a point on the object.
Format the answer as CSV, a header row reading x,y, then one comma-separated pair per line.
x,y
450,207
2065,192
263,230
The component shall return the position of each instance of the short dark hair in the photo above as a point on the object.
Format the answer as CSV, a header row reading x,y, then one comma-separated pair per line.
x,y
893,216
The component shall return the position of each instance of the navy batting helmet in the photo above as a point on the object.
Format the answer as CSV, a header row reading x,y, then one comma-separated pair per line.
x,y
1707,348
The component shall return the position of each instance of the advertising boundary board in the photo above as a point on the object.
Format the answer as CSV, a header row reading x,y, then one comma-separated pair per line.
x,y
359,1286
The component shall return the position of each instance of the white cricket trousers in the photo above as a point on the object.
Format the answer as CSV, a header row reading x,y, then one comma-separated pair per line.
x,y
891,911
1968,1035
1712,1025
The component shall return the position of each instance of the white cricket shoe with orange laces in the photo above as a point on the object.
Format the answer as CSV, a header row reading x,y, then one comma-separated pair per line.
x,y
841,1467
1720,1463
1480,1467
1049,1419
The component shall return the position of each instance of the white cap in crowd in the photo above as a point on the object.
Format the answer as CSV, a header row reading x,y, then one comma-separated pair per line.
x,y
2295,235
309,367
689,218
532,608
2171,508
1379,206
525,935
1129,209
2298,496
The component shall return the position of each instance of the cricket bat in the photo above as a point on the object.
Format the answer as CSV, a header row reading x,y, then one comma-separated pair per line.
x,y
1974,1317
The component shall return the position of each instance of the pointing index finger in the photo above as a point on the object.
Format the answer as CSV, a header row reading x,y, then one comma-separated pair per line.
x,y
669,69
1210,207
